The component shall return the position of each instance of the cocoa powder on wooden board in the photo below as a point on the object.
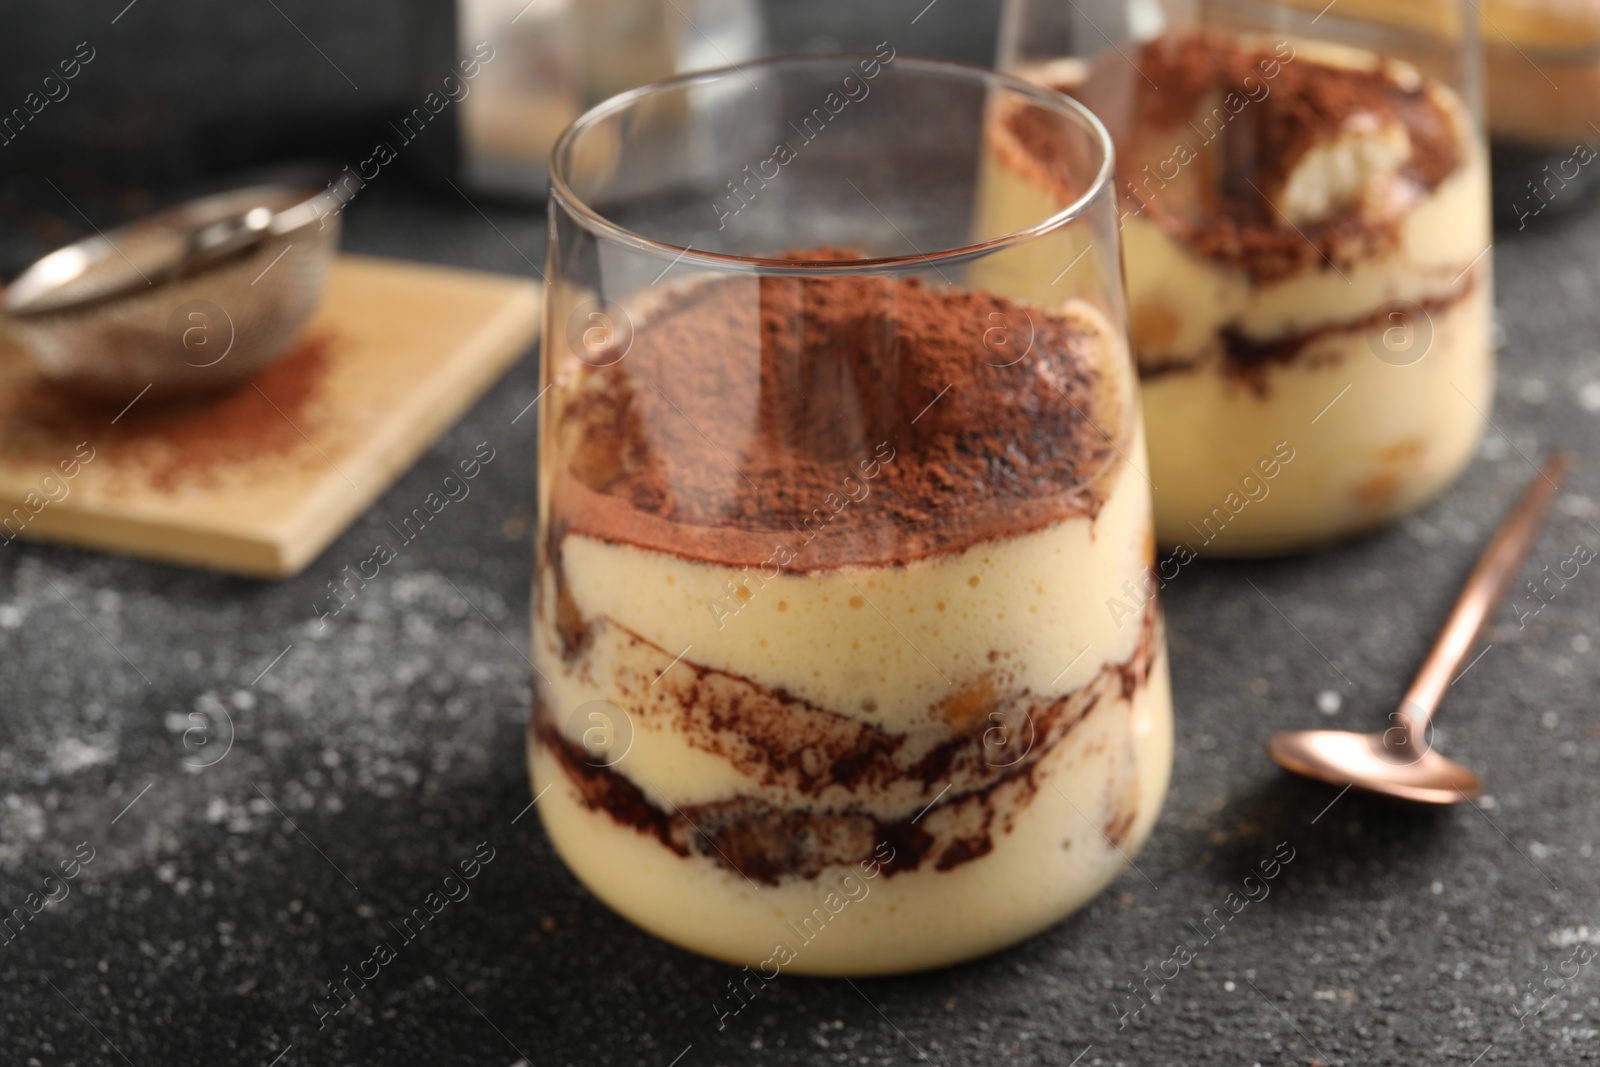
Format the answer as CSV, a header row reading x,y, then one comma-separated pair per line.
x,y
203,441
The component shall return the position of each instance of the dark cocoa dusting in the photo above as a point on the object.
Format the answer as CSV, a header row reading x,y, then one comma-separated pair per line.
x,y
815,768
1225,211
749,413
167,445
1249,359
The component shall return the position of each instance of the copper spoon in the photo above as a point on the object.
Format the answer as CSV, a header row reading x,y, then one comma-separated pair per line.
x,y
1400,762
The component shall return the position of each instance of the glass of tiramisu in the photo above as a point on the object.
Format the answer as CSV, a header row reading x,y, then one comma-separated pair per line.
x,y
846,658
1304,201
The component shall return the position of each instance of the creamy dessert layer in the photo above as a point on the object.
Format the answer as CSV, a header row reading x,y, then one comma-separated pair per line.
x,y
825,659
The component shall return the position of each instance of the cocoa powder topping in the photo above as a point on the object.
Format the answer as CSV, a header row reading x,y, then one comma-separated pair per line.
x,y
905,418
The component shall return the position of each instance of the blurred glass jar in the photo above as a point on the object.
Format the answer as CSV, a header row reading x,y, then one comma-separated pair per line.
x,y
1304,202
557,58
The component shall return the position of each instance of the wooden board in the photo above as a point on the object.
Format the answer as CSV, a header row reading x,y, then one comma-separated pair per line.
x,y
259,481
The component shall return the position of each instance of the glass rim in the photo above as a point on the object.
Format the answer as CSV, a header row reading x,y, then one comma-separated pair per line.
x,y
561,192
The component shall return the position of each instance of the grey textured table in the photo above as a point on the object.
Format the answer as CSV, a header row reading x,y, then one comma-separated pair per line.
x,y
371,756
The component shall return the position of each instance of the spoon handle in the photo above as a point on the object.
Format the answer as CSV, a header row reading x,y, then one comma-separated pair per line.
x,y
1483,591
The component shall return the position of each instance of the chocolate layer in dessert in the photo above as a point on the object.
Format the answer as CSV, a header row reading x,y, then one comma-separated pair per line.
x,y
1248,359
829,768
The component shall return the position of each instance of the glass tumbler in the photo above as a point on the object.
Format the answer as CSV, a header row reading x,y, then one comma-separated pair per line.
x,y
1304,197
847,657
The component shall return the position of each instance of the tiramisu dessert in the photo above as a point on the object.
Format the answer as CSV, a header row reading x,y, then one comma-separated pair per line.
x,y
1306,231
827,682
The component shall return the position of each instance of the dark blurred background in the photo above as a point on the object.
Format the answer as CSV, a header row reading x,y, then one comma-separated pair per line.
x,y
185,95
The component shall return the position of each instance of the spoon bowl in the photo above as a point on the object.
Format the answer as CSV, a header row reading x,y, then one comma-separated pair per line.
x,y
1368,761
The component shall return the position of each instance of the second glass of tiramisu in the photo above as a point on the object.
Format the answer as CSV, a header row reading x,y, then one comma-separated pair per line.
x,y
840,476
1304,204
